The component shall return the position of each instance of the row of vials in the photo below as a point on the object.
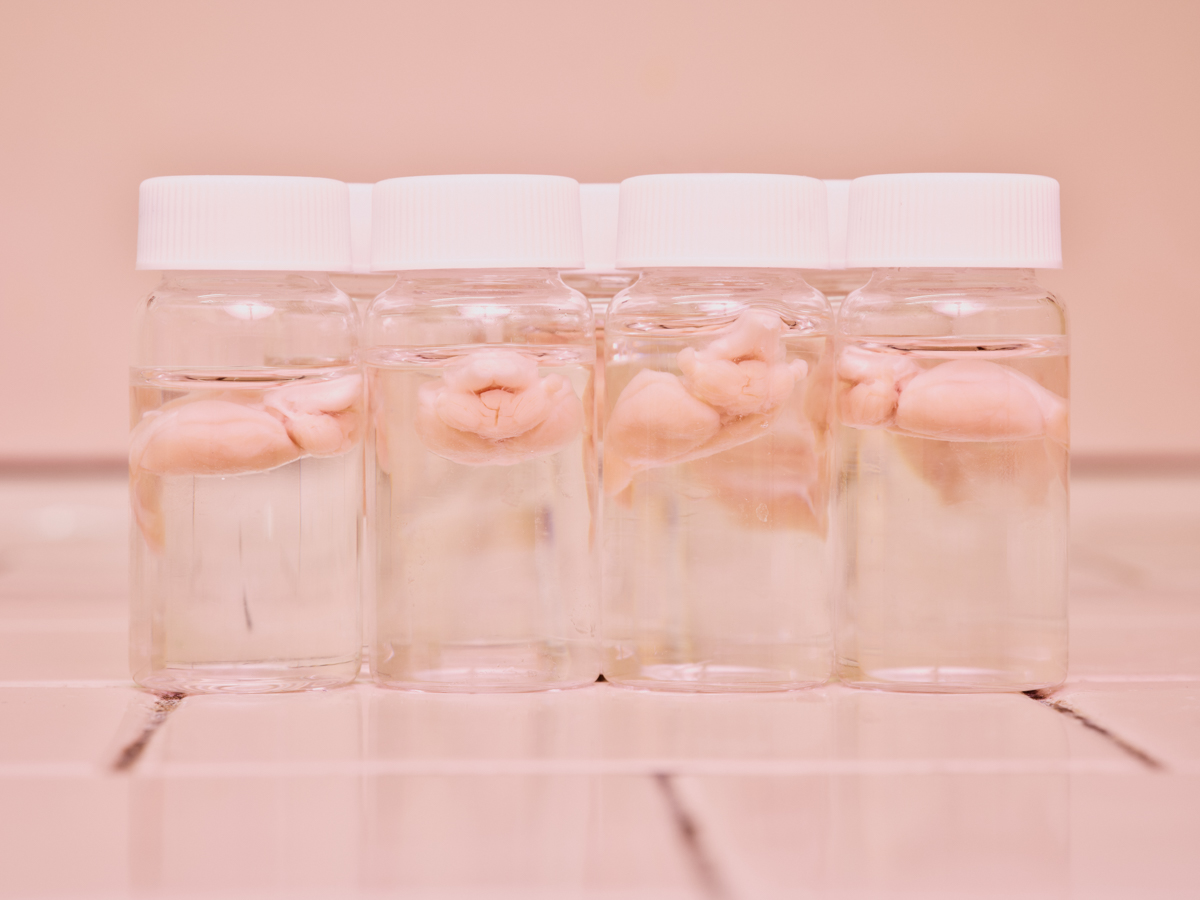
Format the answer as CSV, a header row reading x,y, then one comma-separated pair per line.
x,y
673,463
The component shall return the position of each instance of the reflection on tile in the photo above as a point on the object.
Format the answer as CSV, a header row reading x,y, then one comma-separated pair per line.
x,y
616,730
318,725
612,723
57,656
635,849
43,725
1161,719
468,832
411,725
952,836
597,723
522,836
919,836
765,836
773,726
63,836
989,727
1135,837
607,723
417,836
199,835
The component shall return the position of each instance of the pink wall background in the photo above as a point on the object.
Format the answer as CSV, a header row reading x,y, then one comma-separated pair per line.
x,y
94,97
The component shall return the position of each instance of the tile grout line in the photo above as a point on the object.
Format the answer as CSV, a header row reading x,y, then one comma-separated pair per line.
x,y
1132,679
701,862
297,768
69,683
164,705
1064,708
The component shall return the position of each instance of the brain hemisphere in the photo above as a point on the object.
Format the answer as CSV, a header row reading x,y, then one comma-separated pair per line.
x,y
743,372
872,383
492,408
231,435
975,400
323,418
729,394
210,437
657,420
496,394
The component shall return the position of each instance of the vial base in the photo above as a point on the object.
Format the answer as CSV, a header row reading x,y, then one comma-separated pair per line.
x,y
252,678
946,680
487,667
749,668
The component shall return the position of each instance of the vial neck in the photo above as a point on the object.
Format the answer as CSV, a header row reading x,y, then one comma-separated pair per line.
x,y
221,281
950,279
731,279
477,283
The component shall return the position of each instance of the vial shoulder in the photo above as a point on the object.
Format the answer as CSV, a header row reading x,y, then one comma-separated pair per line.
x,y
233,322
427,312
307,295
717,297
419,296
1026,308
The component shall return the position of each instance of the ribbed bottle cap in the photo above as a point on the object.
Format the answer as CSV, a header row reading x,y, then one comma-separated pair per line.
x,y
954,220
837,199
360,227
245,222
598,205
755,221
476,222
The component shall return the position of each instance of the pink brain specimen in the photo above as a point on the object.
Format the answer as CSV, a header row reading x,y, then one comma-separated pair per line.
x,y
491,407
975,400
729,394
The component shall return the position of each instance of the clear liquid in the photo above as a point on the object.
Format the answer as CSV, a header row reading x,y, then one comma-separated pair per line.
x,y
953,552
716,569
246,581
484,571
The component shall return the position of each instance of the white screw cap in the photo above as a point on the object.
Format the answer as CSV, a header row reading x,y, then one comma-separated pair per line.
x,y
717,220
954,220
837,199
598,205
244,222
360,226
476,222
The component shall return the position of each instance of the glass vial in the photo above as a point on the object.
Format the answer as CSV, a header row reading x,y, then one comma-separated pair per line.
x,y
245,458
358,281
716,437
480,365
952,438
837,281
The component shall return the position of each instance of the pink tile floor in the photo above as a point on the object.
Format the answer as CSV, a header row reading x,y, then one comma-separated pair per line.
x,y
1093,792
